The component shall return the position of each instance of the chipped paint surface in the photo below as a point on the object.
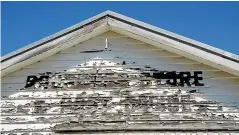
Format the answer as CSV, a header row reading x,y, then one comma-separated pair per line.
x,y
91,90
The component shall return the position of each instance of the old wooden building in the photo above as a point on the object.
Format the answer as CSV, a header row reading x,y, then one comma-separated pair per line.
x,y
111,74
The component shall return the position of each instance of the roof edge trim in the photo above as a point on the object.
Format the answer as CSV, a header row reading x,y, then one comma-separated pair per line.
x,y
54,36
174,36
131,21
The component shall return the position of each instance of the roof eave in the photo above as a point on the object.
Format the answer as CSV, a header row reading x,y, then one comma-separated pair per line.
x,y
174,36
55,36
227,60
176,47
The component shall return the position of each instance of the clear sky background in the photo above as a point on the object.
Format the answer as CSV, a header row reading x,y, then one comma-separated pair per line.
x,y
213,23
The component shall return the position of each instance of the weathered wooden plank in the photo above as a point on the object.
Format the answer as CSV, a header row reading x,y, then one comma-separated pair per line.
x,y
219,86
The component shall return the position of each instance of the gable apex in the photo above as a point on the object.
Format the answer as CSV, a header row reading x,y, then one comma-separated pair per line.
x,y
111,21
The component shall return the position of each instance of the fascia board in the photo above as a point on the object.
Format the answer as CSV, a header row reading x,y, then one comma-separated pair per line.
x,y
194,43
174,46
55,36
53,47
176,43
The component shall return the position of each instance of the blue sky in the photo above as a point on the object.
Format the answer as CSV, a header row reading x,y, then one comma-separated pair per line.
x,y
213,23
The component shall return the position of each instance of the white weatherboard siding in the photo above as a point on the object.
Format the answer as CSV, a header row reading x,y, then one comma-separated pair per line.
x,y
219,85
129,50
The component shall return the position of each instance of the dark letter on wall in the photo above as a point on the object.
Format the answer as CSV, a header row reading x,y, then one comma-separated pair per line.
x,y
31,80
172,78
185,78
197,78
